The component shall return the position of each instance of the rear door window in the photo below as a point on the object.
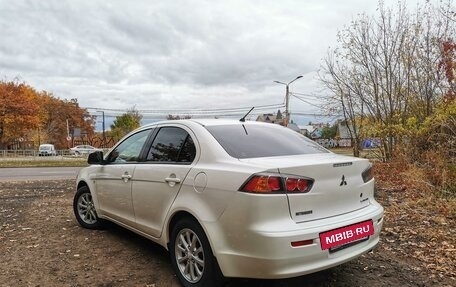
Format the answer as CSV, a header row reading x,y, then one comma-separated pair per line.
x,y
172,145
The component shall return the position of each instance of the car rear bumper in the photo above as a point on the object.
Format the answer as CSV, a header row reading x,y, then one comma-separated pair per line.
x,y
266,252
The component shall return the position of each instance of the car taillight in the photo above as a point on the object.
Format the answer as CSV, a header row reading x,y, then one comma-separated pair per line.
x,y
368,174
264,183
298,185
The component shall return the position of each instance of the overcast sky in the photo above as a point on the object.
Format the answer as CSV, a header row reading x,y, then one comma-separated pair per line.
x,y
172,54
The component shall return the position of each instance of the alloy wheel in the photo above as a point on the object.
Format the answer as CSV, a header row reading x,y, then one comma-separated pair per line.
x,y
189,255
86,209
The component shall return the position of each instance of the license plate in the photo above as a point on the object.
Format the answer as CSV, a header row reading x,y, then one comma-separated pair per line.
x,y
347,234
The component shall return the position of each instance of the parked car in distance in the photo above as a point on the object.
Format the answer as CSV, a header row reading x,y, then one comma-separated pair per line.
x,y
233,199
47,150
83,149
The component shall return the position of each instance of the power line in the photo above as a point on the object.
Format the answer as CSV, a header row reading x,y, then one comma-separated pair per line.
x,y
194,111
307,102
155,116
316,114
308,95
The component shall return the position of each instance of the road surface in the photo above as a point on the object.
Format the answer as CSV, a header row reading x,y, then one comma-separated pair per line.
x,y
38,173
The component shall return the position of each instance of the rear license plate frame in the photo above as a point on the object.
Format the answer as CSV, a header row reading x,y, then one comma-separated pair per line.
x,y
335,239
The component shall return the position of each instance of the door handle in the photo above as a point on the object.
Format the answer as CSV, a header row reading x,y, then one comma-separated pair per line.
x,y
126,177
173,179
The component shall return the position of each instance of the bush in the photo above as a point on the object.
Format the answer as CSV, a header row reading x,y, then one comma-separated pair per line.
x,y
432,148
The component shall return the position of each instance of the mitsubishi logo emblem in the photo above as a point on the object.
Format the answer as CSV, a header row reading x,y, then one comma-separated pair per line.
x,y
343,181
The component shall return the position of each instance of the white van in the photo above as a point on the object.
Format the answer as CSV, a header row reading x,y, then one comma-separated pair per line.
x,y
47,150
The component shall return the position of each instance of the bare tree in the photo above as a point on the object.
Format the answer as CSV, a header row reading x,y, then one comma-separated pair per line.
x,y
386,70
178,117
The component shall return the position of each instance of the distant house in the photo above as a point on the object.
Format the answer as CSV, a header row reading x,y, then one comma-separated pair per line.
x,y
294,127
306,129
271,118
316,133
343,134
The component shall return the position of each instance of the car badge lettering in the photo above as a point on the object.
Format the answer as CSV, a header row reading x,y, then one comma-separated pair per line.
x,y
342,164
306,212
343,181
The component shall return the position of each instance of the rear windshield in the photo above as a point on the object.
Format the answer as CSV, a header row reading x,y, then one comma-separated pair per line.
x,y
249,141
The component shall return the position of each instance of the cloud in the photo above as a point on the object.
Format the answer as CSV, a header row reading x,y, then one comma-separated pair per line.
x,y
169,54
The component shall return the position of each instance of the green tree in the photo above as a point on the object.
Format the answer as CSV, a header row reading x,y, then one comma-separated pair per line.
x,y
329,132
125,123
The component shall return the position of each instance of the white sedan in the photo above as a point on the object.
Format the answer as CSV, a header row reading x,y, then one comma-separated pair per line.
x,y
233,199
83,149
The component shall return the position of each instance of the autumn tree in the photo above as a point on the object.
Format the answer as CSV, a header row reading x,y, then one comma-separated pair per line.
x,y
448,65
60,117
18,111
38,117
125,123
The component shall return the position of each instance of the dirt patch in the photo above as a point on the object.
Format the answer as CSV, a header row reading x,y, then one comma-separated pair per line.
x,y
42,245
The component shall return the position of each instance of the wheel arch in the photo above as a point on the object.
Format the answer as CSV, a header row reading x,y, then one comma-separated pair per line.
x,y
178,215
91,187
82,183
175,218
215,277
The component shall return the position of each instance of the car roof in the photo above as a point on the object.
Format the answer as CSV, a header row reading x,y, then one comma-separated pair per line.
x,y
209,122
217,122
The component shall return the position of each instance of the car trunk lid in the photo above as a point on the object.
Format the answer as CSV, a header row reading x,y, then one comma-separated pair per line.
x,y
338,184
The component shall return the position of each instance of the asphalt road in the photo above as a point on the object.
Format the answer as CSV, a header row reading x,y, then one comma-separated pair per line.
x,y
38,173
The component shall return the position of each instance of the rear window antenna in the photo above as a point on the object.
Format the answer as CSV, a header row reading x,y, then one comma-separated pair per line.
x,y
243,118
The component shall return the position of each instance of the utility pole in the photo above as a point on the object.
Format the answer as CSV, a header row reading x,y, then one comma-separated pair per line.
x,y
287,98
68,138
104,130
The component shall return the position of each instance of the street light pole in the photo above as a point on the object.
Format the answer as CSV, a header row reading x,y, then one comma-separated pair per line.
x,y
104,135
287,98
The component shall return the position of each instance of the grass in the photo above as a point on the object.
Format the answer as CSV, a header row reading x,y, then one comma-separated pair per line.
x,y
343,151
42,163
372,154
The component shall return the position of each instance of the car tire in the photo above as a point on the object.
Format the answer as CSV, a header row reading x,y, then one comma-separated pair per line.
x,y
192,257
84,209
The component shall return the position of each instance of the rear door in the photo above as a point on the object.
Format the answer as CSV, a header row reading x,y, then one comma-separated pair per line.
x,y
158,180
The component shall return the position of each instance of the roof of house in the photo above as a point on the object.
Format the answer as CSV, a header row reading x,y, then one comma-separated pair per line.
x,y
308,128
271,118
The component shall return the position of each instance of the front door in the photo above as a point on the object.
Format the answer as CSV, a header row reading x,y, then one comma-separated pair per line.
x,y
114,179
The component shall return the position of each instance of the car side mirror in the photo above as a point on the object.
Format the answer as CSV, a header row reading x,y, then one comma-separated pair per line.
x,y
95,158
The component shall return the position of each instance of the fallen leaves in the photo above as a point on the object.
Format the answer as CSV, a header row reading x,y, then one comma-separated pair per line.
x,y
418,239
417,226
